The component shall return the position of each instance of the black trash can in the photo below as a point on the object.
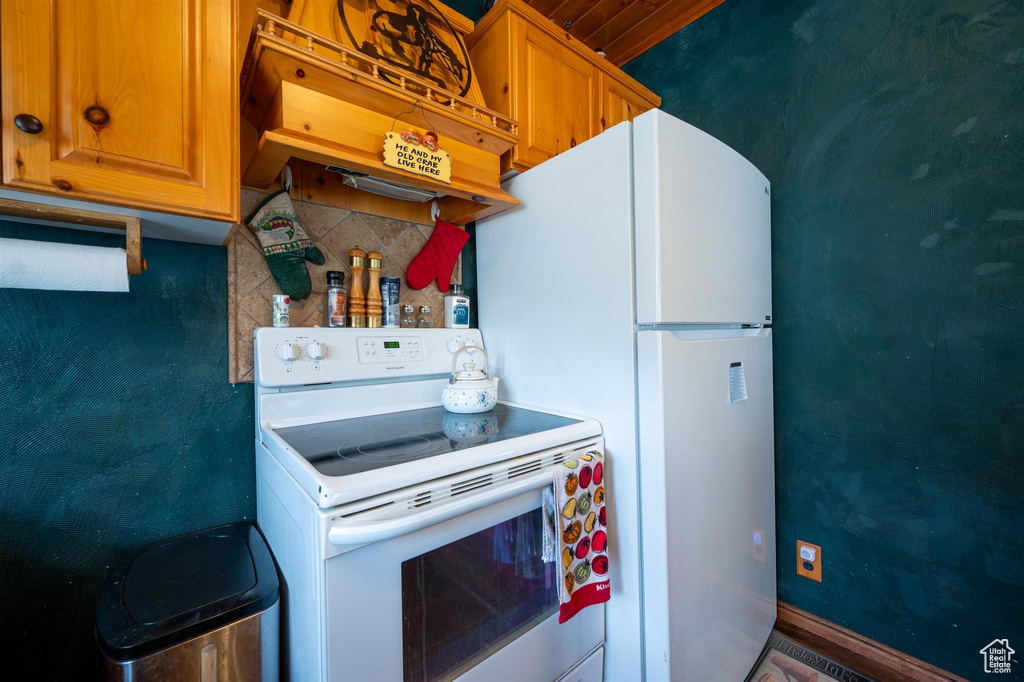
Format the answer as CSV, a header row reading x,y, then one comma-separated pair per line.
x,y
202,606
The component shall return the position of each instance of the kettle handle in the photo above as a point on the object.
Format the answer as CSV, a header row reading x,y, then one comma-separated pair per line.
x,y
455,359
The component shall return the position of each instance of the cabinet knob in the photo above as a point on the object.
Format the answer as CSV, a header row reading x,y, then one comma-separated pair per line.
x,y
27,123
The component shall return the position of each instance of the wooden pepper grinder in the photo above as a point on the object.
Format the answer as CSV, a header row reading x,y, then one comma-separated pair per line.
x,y
374,311
356,297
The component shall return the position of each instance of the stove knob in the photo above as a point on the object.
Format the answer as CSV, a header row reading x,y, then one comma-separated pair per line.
x,y
286,352
315,351
453,345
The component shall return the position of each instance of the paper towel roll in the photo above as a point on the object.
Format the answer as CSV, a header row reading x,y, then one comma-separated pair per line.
x,y
26,264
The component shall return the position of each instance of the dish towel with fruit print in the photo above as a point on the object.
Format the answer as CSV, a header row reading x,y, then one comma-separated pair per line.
x,y
575,513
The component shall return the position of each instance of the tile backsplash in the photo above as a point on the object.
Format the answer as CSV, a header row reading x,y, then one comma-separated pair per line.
x,y
335,231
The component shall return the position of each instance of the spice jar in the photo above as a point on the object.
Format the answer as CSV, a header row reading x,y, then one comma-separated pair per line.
x,y
408,316
335,308
425,319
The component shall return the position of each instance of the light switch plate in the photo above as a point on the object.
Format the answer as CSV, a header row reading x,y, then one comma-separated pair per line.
x,y
814,572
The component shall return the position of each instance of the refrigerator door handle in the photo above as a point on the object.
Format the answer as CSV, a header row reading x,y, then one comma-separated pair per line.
x,y
690,334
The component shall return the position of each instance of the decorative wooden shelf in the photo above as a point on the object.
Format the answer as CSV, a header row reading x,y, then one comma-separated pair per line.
x,y
312,98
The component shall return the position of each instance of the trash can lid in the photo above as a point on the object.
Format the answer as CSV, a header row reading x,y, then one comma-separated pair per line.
x,y
185,587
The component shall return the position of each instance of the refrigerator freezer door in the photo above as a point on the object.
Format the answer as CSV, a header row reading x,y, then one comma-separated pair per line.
x,y
703,228
708,493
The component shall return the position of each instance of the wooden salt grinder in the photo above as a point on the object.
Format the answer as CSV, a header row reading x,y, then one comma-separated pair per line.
x,y
356,297
374,311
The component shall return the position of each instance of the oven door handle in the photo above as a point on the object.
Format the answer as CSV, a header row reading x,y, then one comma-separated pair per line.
x,y
345,532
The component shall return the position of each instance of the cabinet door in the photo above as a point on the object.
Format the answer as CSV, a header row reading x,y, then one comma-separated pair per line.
x,y
619,103
137,102
556,97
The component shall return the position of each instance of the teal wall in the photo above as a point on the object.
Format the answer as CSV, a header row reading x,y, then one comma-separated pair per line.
x,y
892,132
471,9
118,428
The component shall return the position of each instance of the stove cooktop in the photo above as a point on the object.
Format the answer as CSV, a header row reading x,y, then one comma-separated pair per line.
x,y
353,446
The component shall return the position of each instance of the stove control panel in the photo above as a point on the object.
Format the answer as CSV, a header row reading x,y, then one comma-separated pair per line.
x,y
389,349
295,356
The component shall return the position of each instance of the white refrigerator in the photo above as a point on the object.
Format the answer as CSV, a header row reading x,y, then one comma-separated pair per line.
x,y
633,285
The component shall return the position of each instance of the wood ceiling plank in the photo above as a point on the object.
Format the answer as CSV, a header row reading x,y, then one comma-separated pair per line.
x,y
596,17
630,16
656,27
571,9
545,7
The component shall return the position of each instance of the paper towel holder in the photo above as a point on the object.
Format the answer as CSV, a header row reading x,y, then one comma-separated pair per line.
x,y
131,225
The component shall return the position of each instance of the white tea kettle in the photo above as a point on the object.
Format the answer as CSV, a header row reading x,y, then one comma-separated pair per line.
x,y
469,390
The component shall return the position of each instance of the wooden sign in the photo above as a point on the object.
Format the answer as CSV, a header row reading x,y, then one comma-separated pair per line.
x,y
409,34
417,153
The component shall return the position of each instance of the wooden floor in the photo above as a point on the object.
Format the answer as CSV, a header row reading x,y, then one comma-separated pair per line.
x,y
855,650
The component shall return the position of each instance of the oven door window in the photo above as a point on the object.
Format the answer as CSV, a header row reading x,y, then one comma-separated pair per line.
x,y
467,599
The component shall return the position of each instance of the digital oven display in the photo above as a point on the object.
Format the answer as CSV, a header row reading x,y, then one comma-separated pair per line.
x,y
391,344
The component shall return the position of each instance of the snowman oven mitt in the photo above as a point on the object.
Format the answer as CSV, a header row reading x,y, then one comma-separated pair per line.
x,y
285,244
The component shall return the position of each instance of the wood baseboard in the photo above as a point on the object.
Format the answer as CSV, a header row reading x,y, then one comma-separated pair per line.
x,y
854,650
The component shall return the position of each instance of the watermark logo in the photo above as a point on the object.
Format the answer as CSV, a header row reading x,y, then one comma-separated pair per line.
x,y
997,655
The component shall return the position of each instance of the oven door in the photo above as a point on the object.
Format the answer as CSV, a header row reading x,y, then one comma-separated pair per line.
x,y
454,589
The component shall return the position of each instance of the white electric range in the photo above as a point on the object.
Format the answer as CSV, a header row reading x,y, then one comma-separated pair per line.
x,y
409,538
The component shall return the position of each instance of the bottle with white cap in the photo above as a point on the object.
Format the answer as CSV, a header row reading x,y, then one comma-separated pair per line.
x,y
456,309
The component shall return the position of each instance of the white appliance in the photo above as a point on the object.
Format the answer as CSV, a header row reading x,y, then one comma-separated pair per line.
x,y
409,538
648,307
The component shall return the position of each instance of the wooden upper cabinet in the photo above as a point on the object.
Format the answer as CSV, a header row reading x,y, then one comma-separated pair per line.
x,y
125,102
559,90
619,103
556,93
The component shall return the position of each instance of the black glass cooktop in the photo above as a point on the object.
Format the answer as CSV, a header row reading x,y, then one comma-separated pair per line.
x,y
352,446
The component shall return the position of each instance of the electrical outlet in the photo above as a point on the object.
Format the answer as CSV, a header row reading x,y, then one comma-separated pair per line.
x,y
808,560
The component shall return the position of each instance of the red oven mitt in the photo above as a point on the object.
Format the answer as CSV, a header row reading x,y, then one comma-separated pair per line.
x,y
437,258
